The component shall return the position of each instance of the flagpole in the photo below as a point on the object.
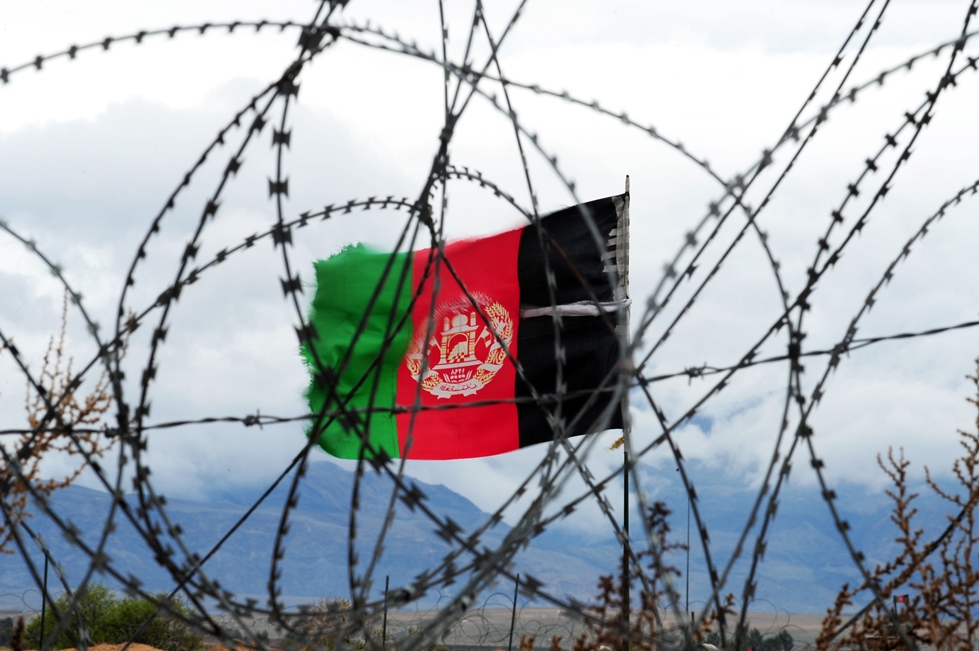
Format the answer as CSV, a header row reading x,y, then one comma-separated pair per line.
x,y
622,264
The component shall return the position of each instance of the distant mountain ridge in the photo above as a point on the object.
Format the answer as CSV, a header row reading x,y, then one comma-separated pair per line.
x,y
805,562
315,563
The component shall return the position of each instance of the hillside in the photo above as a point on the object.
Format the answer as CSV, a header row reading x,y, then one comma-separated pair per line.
x,y
803,568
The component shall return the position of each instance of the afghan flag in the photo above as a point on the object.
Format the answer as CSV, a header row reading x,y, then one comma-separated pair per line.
x,y
483,347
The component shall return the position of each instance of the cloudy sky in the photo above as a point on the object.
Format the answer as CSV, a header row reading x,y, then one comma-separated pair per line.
x,y
91,149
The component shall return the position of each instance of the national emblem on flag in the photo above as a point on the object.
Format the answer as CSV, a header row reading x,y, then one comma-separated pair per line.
x,y
484,347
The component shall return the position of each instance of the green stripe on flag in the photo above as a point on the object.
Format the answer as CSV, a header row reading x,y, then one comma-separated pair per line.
x,y
345,286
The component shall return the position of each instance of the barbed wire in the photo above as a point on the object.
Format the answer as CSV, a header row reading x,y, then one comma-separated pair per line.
x,y
563,480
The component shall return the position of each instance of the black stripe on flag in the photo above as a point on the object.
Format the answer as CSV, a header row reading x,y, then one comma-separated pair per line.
x,y
590,343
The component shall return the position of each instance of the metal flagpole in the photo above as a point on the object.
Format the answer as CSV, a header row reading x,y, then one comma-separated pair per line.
x,y
626,614
384,626
622,269
513,614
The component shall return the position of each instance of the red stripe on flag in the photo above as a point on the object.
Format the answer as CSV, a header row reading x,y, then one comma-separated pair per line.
x,y
465,360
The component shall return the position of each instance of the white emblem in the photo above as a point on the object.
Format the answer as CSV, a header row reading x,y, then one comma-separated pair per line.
x,y
465,350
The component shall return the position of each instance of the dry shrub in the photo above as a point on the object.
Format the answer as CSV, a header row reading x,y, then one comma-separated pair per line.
x,y
938,577
655,579
60,420
322,626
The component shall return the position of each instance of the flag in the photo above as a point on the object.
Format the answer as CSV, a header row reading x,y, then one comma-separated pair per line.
x,y
454,355
901,599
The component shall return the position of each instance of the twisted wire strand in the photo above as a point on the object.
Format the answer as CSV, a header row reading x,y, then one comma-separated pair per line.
x,y
476,569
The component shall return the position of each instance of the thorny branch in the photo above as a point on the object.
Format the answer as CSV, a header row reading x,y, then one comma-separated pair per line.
x,y
49,437
935,580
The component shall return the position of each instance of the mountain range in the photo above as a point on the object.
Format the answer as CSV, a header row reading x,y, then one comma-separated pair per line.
x,y
804,564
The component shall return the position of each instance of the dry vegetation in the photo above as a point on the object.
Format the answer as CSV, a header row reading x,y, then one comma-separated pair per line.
x,y
939,576
55,412
654,586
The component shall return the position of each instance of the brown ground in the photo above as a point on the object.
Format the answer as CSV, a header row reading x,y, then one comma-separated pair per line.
x,y
142,647
116,647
